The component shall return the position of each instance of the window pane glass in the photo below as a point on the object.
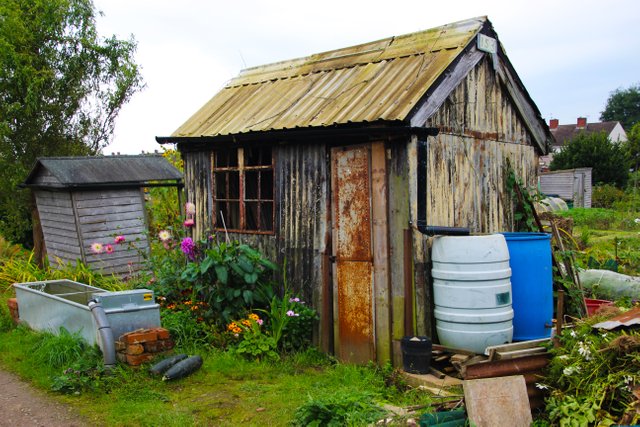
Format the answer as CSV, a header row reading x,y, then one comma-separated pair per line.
x,y
257,156
266,216
220,183
234,185
221,211
251,185
251,215
266,185
226,158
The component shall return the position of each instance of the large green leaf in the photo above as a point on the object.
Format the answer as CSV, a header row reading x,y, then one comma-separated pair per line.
x,y
223,274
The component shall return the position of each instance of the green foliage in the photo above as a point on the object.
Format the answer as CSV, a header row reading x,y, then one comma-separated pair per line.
x,y
186,331
623,105
607,160
341,409
592,376
62,88
228,279
605,195
255,345
297,334
522,200
20,269
162,207
632,147
59,350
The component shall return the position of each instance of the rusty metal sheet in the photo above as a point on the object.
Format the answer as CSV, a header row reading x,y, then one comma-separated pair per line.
x,y
354,311
352,204
382,80
629,318
353,252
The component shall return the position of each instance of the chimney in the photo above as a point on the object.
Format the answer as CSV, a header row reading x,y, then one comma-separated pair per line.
x,y
553,124
582,123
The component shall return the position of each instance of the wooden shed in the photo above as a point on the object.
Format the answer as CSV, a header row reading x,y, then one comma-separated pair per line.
x,y
339,163
571,185
85,200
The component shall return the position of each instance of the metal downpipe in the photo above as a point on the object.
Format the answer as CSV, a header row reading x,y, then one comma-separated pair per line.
x,y
106,334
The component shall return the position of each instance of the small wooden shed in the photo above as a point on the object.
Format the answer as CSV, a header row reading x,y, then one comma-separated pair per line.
x,y
338,163
85,200
571,185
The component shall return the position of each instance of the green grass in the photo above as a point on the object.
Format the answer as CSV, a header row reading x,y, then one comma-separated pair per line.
x,y
226,391
607,234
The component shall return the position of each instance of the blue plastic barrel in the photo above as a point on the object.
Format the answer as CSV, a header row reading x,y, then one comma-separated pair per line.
x,y
531,284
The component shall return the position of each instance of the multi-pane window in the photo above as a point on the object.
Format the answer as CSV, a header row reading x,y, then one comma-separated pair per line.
x,y
243,189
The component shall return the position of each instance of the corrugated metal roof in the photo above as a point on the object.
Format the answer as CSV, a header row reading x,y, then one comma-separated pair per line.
x,y
100,171
377,81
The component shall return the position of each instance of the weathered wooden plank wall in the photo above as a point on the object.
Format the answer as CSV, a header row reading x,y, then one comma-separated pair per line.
x,y
480,131
197,186
301,181
58,226
299,240
103,214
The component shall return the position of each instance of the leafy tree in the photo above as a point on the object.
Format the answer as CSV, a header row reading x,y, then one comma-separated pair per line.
x,y
632,146
594,150
623,106
61,88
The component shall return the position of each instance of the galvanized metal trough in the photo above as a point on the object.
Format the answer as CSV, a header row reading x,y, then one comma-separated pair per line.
x,y
51,304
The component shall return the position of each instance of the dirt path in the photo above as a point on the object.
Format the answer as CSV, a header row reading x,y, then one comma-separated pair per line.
x,y
22,405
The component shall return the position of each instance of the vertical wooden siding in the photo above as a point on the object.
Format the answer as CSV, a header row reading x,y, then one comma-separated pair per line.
x,y
197,185
58,226
301,181
300,218
101,215
480,130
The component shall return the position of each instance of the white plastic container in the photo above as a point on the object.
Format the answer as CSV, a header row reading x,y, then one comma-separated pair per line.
x,y
472,291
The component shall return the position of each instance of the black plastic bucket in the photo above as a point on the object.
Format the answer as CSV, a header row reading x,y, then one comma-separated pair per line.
x,y
416,354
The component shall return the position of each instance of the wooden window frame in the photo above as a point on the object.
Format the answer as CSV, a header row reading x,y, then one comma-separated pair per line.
x,y
241,168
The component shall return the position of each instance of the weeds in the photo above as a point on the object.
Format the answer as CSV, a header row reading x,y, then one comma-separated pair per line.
x,y
59,350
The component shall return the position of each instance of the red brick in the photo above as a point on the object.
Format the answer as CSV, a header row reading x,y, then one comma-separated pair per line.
x,y
141,337
159,346
138,359
163,334
121,346
135,349
12,303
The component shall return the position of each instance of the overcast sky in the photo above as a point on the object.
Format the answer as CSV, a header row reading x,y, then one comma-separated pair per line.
x,y
569,54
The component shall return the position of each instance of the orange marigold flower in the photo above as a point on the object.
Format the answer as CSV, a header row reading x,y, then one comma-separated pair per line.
x,y
232,326
189,302
246,322
254,316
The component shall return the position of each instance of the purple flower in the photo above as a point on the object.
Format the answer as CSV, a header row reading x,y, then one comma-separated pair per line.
x,y
189,222
188,248
291,313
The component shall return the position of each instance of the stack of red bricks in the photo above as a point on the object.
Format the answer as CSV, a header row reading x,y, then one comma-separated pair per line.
x,y
142,345
12,303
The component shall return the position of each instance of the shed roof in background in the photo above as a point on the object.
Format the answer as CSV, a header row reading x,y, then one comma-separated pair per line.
x,y
378,81
101,171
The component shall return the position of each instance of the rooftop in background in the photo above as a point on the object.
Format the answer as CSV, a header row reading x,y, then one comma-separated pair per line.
x,y
563,133
101,171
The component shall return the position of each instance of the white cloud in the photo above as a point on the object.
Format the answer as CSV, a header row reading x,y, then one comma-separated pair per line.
x,y
570,54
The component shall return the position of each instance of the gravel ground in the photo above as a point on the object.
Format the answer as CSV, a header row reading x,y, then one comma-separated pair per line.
x,y
23,406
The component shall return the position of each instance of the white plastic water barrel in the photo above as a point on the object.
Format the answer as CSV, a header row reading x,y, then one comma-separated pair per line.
x,y
472,291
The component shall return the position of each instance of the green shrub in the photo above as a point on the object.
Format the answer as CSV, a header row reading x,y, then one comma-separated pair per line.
x,y
339,409
187,332
604,196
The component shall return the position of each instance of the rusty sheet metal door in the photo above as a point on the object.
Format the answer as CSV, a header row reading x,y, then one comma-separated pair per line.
x,y
353,273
